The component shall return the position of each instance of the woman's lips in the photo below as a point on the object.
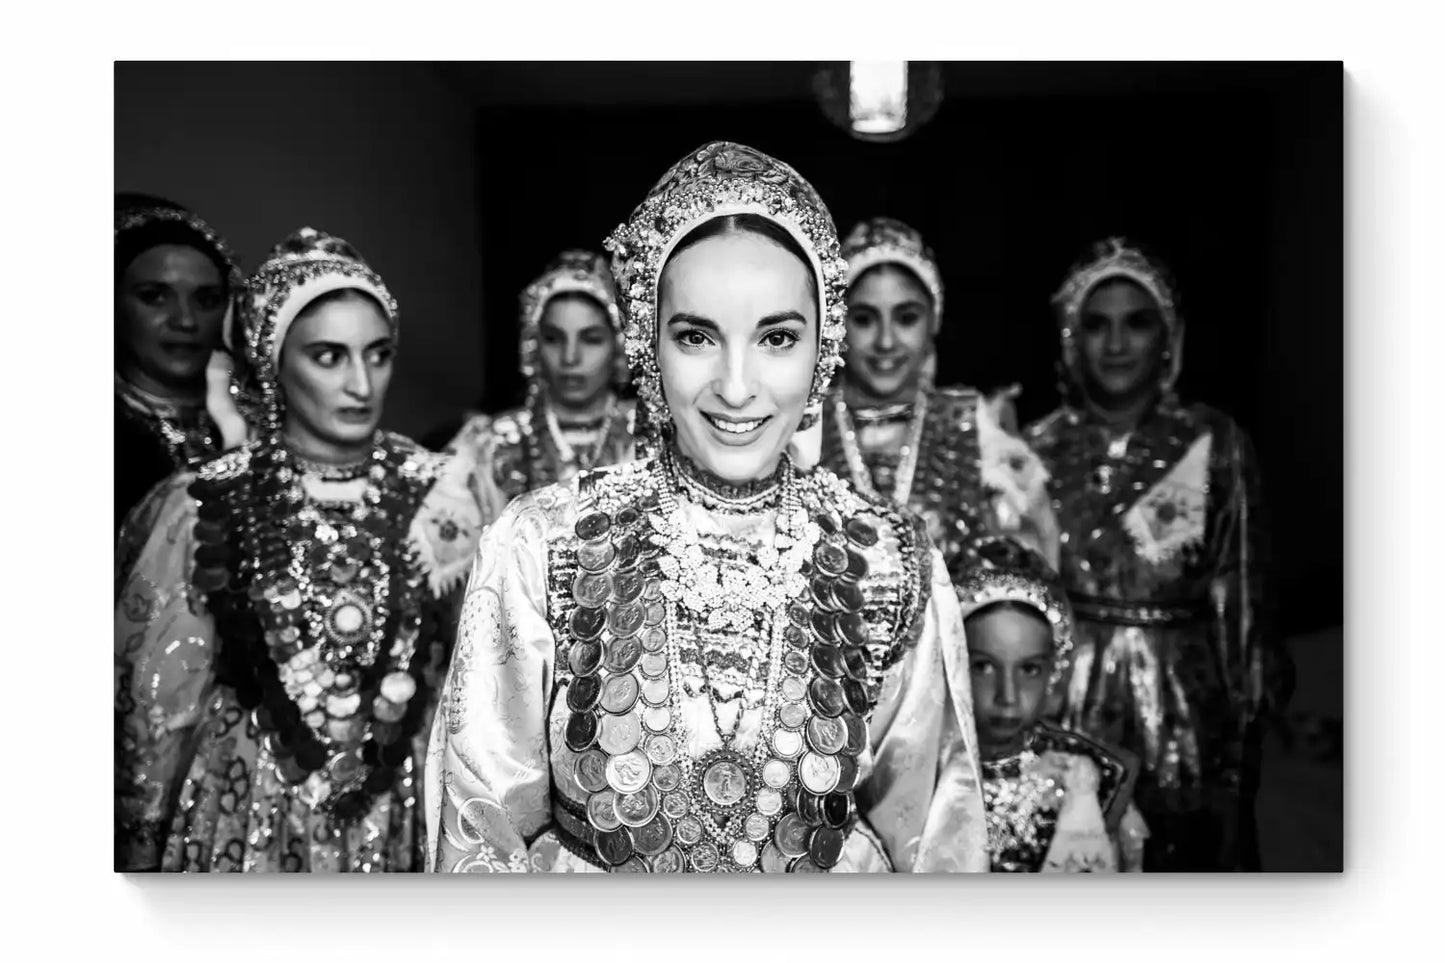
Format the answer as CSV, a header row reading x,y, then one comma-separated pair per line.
x,y
736,431
354,415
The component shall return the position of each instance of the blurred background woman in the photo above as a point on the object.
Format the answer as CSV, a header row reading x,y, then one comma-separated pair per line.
x,y
1164,555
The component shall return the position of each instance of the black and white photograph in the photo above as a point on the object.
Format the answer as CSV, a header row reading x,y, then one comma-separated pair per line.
x,y
871,466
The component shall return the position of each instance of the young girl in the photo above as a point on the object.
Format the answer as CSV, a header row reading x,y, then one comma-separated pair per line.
x,y
1057,801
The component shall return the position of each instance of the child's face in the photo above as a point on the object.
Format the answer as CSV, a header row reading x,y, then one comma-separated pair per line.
x,y
1011,654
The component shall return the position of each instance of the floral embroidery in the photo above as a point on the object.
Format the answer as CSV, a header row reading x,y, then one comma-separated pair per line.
x,y
1170,518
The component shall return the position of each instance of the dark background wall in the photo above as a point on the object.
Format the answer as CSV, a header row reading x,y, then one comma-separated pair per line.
x,y
459,181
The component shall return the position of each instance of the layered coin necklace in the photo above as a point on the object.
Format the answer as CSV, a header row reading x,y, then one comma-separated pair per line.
x,y
650,584
319,589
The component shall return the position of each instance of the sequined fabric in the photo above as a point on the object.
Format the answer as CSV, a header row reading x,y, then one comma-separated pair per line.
x,y
521,455
197,786
971,477
507,792
1164,555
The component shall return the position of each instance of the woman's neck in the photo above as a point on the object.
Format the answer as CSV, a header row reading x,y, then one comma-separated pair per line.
x,y
186,395
714,491
590,410
857,396
308,448
1123,414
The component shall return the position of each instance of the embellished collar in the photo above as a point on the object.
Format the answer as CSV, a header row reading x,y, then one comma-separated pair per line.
x,y
716,493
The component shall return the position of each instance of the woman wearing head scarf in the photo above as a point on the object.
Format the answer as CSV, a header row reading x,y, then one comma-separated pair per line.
x,y
950,454
708,660
571,356
279,637
1057,801
175,281
1163,553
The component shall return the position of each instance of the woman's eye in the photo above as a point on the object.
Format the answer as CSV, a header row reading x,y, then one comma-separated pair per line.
x,y
1031,671
210,300
381,357
780,338
860,318
1094,323
981,667
909,318
691,338
1142,323
326,359
153,295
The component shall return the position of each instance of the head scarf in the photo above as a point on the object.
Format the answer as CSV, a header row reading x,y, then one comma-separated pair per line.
x,y
999,569
299,270
883,240
143,222
717,180
1116,258
571,272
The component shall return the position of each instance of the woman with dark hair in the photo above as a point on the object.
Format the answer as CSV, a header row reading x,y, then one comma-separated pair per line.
x,y
280,635
175,279
709,660
1164,556
571,354
950,454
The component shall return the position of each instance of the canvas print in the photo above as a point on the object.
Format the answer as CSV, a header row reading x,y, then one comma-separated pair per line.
x,y
571,467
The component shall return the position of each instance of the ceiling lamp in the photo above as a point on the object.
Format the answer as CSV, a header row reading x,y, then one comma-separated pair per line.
x,y
879,100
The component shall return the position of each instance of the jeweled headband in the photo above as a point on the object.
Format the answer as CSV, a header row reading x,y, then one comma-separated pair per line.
x,y
571,272
882,240
999,569
299,270
718,180
1111,259
141,217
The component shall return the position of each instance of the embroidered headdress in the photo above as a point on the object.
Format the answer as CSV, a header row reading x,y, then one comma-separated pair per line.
x,y
999,569
717,180
883,240
571,272
1111,259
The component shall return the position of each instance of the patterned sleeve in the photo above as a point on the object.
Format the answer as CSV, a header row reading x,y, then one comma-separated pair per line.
x,y
164,648
488,786
925,796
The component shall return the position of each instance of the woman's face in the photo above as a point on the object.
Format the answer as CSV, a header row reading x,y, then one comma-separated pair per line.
x,y
1122,339
891,324
170,304
577,351
336,364
1010,659
738,341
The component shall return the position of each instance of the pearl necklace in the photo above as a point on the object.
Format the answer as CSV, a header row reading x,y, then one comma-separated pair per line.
x,y
907,466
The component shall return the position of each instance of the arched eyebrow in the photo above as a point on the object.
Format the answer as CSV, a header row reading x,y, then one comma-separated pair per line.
x,y
781,317
708,324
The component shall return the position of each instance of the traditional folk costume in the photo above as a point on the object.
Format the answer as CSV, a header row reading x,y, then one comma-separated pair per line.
x,y
531,447
1164,557
1063,803
659,672
959,463
280,637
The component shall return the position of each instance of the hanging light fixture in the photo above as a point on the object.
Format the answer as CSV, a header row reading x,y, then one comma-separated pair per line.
x,y
879,100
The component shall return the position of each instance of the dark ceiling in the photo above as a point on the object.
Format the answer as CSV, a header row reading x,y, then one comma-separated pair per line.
x,y
595,83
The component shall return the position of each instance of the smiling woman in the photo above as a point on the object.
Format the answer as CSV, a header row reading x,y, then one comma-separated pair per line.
x,y
709,660
174,282
951,454
279,637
